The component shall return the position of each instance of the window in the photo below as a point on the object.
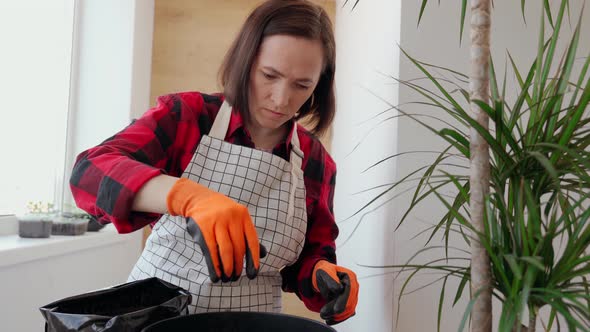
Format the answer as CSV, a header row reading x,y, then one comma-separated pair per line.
x,y
35,65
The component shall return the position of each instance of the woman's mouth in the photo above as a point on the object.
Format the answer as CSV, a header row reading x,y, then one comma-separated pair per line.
x,y
274,114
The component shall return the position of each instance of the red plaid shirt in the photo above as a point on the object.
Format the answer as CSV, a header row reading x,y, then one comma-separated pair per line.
x,y
106,178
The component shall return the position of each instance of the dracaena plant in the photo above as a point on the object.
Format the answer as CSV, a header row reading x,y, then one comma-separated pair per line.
x,y
536,223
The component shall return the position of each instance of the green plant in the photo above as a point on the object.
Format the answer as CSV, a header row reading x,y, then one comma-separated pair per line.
x,y
536,228
76,215
72,211
39,207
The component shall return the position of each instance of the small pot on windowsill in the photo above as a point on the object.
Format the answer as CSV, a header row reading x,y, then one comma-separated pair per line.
x,y
69,224
35,225
94,225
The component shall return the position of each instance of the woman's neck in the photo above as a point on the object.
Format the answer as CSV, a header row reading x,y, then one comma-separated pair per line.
x,y
266,138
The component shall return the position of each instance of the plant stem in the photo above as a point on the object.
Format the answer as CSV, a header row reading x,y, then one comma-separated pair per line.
x,y
530,328
481,279
532,319
532,322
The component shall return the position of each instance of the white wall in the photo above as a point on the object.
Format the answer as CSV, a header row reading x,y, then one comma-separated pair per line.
x,y
367,41
366,47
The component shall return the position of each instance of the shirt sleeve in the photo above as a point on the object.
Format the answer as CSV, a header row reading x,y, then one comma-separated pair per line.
x,y
106,178
320,237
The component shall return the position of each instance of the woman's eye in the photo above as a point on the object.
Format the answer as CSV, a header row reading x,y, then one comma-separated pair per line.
x,y
302,87
268,76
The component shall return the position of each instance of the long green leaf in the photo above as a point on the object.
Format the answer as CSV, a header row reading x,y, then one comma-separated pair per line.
x,y
563,80
433,80
461,287
504,130
537,85
548,11
575,117
514,266
458,140
422,6
467,312
461,28
550,51
580,81
441,300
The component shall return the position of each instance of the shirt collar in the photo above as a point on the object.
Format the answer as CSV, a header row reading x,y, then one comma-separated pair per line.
x,y
236,126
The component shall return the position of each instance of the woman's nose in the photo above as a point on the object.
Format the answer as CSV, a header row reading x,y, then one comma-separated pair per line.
x,y
280,96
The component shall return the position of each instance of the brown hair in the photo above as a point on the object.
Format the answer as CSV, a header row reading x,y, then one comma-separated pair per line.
x,y
299,18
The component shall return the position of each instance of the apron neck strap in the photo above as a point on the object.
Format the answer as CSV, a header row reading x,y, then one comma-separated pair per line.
x,y
296,153
221,124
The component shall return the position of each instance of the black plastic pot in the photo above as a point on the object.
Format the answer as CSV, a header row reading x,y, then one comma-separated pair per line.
x,y
238,322
94,225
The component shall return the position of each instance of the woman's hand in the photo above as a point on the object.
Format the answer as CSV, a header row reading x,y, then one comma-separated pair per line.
x,y
223,229
338,285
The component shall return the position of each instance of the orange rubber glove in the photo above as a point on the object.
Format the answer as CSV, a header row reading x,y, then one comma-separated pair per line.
x,y
223,229
338,285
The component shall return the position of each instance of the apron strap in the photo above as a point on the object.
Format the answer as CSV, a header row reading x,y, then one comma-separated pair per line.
x,y
221,123
296,154
296,161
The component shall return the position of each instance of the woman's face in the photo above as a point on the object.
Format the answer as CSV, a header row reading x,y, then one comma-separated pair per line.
x,y
283,76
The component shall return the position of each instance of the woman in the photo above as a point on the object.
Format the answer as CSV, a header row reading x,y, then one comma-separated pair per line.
x,y
254,186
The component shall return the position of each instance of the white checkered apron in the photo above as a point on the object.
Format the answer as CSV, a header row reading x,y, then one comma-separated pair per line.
x,y
272,189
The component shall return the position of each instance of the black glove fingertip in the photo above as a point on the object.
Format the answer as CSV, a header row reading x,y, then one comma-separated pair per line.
x,y
263,251
328,287
326,312
214,278
225,278
342,299
251,271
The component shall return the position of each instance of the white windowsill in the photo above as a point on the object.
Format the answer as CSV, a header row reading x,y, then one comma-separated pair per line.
x,y
16,250
8,225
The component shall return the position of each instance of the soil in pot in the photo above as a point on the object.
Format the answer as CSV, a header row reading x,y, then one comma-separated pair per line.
x,y
34,226
69,226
